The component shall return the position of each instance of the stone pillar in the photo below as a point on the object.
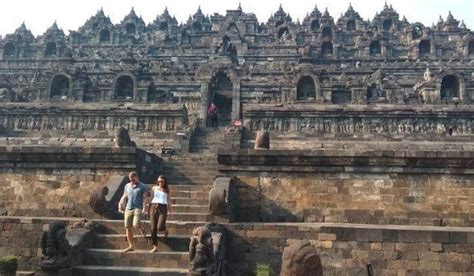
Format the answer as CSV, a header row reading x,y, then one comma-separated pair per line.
x,y
236,101
204,102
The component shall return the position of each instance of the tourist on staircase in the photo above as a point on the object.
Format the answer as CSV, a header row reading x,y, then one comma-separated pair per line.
x,y
159,208
135,196
212,115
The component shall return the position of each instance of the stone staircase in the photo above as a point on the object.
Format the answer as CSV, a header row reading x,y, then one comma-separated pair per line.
x,y
190,177
207,140
190,204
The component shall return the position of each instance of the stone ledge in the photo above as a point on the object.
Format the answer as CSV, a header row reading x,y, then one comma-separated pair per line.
x,y
372,161
54,157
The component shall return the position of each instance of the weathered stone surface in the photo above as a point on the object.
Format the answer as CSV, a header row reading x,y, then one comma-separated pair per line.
x,y
263,140
300,258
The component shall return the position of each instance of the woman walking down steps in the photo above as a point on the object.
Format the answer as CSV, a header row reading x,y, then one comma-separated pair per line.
x,y
159,208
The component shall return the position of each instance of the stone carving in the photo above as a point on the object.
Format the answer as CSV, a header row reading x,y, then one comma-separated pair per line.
x,y
217,201
122,138
55,247
301,259
97,200
201,251
263,140
104,200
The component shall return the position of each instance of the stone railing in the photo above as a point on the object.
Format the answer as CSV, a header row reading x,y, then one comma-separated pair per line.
x,y
97,119
357,120
223,198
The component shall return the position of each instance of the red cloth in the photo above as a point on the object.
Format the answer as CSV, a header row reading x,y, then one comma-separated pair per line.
x,y
212,109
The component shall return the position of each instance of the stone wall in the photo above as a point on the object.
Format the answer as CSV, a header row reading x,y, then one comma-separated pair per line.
x,y
20,236
58,119
344,249
348,249
357,186
57,181
362,121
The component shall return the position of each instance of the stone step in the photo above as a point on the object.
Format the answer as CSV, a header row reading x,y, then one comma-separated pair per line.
x,y
185,180
182,193
183,208
137,258
174,227
190,187
91,270
191,194
190,201
191,216
119,241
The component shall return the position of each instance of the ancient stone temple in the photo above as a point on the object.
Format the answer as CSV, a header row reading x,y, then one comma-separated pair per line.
x,y
344,146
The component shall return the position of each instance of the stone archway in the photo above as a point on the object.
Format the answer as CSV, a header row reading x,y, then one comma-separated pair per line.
x,y
351,25
306,89
327,32
450,88
470,50
130,28
124,88
221,91
424,48
315,25
51,49
60,87
375,48
9,50
327,48
104,36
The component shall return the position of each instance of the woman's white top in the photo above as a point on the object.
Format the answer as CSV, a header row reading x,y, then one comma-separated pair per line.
x,y
159,196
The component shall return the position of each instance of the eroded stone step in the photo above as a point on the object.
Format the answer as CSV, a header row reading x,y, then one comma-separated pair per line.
x,y
174,227
190,201
137,258
119,241
178,208
91,270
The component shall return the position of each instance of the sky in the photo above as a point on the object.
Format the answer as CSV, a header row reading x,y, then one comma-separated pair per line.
x,y
39,15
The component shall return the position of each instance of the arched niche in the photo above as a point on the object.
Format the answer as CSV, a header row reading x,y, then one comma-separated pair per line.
x,y
375,48
351,25
315,25
124,88
424,48
326,48
104,36
327,32
306,88
417,31
9,50
51,49
470,49
387,24
282,31
197,26
60,87
374,92
185,38
163,26
130,28
450,88
90,93
221,94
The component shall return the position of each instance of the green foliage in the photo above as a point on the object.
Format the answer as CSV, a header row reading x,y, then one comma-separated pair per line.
x,y
8,265
263,270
